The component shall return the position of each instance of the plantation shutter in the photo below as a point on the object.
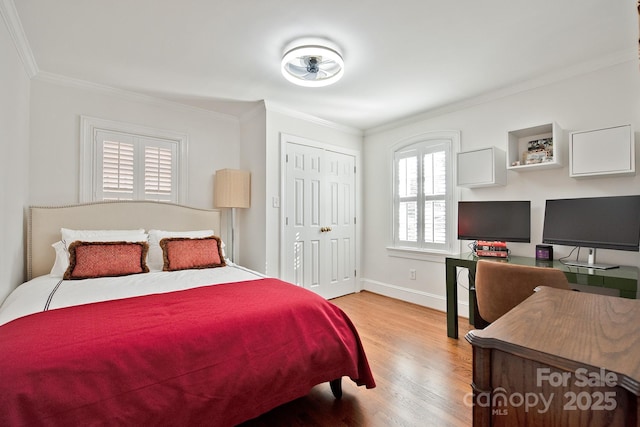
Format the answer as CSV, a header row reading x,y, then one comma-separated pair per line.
x,y
117,170
407,196
133,167
435,195
159,178
422,189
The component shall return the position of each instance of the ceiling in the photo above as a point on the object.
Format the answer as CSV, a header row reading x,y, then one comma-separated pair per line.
x,y
402,57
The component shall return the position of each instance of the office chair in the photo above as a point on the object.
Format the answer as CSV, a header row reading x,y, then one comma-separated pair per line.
x,y
500,286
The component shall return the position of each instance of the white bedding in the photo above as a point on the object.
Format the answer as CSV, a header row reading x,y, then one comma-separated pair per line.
x,y
48,293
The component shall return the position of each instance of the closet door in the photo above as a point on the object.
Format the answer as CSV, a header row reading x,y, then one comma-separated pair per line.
x,y
320,220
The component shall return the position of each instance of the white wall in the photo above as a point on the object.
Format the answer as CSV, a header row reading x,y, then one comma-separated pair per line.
x,y
252,223
216,141
602,98
14,162
56,108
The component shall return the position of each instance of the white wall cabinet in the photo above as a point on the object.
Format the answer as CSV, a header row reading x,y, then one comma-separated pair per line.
x,y
481,168
521,158
602,152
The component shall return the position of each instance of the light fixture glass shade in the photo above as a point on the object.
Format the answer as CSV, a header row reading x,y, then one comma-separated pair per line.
x,y
232,189
312,65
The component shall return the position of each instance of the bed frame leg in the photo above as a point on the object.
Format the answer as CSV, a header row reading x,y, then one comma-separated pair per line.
x,y
336,388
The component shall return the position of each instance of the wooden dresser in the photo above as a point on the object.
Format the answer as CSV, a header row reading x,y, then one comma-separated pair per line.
x,y
561,358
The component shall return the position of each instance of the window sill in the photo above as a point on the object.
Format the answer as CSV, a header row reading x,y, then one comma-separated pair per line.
x,y
419,254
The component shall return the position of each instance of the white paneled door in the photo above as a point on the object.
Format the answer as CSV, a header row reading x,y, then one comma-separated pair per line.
x,y
320,220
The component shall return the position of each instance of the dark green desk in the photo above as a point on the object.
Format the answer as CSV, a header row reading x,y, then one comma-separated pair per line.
x,y
624,279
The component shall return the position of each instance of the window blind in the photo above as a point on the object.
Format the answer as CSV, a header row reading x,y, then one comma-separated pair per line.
x,y
158,173
422,190
134,167
117,170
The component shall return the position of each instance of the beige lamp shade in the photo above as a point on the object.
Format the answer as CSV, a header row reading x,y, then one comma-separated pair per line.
x,y
232,189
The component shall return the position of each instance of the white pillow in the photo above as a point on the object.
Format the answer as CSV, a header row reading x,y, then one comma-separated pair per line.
x,y
69,236
62,260
154,257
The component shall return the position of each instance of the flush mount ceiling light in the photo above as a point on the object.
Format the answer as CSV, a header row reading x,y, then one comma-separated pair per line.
x,y
312,64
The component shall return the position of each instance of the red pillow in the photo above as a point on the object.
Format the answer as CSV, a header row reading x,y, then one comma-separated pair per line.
x,y
88,260
182,253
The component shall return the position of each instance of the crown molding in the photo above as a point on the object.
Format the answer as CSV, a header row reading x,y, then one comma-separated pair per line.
x,y
14,26
61,80
550,78
277,108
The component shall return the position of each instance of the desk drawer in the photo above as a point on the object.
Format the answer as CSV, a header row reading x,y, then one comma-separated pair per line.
x,y
584,279
628,287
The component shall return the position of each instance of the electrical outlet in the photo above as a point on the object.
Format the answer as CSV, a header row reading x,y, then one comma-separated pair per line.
x,y
412,274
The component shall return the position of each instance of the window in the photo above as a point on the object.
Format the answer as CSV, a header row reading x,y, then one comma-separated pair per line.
x,y
424,206
128,162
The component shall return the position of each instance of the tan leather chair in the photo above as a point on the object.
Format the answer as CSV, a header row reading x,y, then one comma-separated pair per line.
x,y
500,286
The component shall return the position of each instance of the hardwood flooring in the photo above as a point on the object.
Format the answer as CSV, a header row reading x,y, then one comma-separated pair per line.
x,y
422,376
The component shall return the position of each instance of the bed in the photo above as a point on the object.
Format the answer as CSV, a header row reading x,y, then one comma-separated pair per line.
x,y
206,344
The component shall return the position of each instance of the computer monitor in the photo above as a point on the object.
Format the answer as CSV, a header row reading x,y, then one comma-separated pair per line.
x,y
505,221
593,222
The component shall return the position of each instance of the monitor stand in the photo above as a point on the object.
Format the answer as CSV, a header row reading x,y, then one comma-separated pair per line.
x,y
591,263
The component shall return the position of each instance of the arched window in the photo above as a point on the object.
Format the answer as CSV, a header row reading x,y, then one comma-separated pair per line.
x,y
423,199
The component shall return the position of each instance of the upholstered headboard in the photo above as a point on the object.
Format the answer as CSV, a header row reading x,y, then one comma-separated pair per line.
x,y
44,224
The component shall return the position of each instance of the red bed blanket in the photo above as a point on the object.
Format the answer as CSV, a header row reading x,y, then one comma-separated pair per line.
x,y
216,355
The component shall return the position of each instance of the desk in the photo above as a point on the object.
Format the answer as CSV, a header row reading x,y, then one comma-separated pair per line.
x,y
572,356
624,279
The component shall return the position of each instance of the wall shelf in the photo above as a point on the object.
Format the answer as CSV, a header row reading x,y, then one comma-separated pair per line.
x,y
484,167
518,146
602,152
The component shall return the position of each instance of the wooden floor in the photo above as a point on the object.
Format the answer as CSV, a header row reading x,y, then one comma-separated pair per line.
x,y
421,375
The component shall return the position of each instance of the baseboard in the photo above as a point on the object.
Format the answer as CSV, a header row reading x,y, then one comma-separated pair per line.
x,y
425,299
